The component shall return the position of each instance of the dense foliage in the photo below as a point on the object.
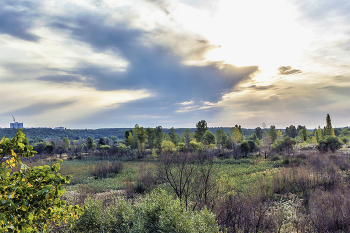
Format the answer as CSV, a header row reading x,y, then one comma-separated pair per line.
x,y
30,196
156,212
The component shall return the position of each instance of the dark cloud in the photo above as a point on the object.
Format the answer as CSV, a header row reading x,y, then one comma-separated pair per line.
x,y
16,19
60,78
161,4
36,109
262,88
341,79
337,90
287,70
151,66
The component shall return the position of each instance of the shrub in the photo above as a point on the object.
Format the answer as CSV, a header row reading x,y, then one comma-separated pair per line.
x,y
156,212
330,211
196,145
30,197
331,143
102,170
91,220
245,148
168,146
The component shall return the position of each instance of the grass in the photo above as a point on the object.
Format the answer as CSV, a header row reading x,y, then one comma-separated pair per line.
x,y
244,172
241,172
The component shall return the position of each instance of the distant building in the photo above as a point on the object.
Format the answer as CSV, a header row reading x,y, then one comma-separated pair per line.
x,y
59,128
16,125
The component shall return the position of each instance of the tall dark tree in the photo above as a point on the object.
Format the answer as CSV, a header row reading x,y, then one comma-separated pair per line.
x,y
172,135
201,127
300,127
304,133
151,135
126,134
102,141
273,133
287,132
159,134
329,129
292,131
259,133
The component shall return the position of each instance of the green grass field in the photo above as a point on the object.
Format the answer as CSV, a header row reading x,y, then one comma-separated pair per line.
x,y
241,173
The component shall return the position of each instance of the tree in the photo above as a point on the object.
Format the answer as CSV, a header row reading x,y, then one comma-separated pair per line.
x,y
273,133
201,127
168,146
221,137
259,133
236,135
188,136
66,143
208,138
102,141
291,131
279,134
141,136
245,148
114,140
252,146
172,135
253,137
159,136
89,142
304,133
126,133
285,144
190,178
329,131
30,197
344,132
319,134
151,137
49,148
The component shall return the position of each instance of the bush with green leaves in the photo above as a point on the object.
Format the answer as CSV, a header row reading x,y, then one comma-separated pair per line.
x,y
156,212
331,143
285,144
168,146
30,197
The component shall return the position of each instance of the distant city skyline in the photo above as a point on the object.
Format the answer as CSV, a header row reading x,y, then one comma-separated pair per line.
x,y
113,64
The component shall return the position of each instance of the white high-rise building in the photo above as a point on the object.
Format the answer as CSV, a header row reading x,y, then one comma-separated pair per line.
x,y
16,125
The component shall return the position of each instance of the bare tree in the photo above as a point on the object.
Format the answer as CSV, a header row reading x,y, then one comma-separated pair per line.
x,y
190,177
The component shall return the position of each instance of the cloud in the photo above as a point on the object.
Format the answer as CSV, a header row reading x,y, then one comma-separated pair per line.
x,y
37,109
161,4
324,10
261,88
287,70
187,103
17,18
60,78
151,66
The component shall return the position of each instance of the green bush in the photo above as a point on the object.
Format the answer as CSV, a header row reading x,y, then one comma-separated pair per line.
x,y
30,196
91,220
331,143
156,212
168,146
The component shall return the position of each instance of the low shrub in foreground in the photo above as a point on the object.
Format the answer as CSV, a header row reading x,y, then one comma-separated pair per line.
x,y
156,212
102,170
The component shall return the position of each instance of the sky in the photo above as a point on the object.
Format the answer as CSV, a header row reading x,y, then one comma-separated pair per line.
x,y
109,64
